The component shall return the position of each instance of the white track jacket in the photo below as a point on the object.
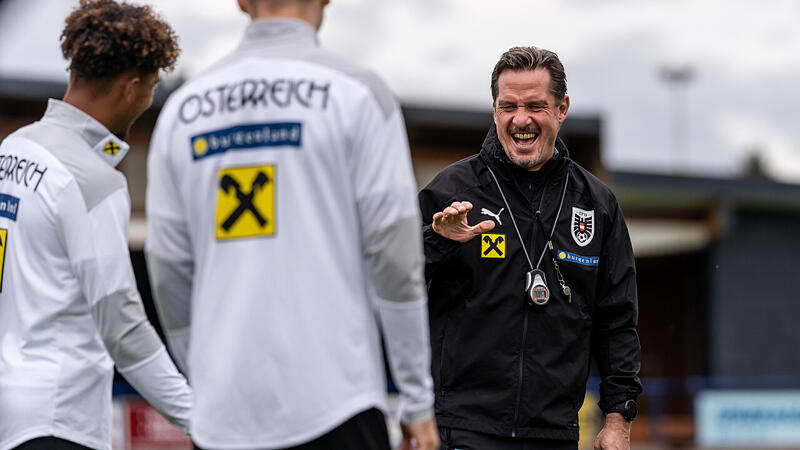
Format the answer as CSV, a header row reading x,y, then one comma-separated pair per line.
x,y
281,201
68,299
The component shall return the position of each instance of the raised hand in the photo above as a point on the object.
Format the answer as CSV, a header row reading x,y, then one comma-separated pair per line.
x,y
452,223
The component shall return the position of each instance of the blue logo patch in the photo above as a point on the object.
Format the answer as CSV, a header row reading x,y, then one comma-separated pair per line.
x,y
243,137
572,257
9,206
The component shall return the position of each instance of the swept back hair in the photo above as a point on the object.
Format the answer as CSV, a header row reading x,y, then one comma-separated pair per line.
x,y
531,58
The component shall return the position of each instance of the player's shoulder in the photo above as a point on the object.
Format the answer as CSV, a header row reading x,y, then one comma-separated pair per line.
x,y
374,84
70,156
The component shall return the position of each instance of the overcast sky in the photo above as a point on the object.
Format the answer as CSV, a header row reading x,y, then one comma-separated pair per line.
x,y
743,96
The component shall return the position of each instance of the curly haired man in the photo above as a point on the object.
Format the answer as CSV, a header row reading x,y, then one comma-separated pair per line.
x,y
69,307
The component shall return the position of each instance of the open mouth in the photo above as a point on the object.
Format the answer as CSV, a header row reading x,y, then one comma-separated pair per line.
x,y
525,138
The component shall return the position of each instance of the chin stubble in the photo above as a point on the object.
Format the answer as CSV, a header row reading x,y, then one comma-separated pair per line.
x,y
529,164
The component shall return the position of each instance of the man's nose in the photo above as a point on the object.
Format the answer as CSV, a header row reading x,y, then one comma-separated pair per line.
x,y
521,118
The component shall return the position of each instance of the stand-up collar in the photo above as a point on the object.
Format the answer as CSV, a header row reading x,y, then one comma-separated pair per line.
x,y
109,147
493,154
276,32
68,116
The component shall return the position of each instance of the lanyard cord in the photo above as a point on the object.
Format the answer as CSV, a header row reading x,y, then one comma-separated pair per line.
x,y
538,212
555,221
508,207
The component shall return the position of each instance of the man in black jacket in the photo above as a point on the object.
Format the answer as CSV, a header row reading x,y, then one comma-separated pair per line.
x,y
544,280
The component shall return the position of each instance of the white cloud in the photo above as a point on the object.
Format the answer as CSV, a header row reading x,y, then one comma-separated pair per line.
x,y
441,52
747,134
29,39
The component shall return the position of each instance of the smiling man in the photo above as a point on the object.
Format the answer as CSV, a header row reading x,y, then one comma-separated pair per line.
x,y
544,280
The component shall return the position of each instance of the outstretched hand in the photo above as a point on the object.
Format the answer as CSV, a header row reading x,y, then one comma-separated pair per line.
x,y
452,223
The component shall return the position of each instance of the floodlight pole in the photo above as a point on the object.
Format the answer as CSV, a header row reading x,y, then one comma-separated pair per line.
x,y
677,78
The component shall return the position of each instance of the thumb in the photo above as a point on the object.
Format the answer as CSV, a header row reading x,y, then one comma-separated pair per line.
x,y
483,227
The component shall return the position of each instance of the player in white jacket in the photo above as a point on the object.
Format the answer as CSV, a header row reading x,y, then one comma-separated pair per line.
x,y
68,299
283,237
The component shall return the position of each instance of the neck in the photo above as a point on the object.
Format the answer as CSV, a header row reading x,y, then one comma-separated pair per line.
x,y
101,109
307,11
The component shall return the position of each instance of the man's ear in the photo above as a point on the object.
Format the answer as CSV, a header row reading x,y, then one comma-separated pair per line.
x,y
129,86
244,5
563,108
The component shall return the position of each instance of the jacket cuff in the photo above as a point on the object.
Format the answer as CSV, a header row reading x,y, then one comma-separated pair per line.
x,y
437,247
608,404
415,417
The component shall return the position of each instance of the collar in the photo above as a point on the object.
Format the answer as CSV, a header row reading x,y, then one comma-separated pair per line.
x,y
493,154
277,32
108,146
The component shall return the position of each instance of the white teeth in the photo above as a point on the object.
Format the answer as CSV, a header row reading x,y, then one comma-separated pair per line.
x,y
525,135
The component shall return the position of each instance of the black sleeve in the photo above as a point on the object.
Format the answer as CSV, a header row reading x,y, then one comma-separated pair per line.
x,y
615,343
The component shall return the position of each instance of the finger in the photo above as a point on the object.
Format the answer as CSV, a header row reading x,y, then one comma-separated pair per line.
x,y
483,227
438,216
450,211
463,207
460,208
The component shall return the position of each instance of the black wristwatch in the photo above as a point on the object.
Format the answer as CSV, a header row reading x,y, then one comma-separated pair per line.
x,y
627,409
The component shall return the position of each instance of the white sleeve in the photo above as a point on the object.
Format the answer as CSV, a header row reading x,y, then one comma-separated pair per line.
x,y
157,379
170,260
392,242
97,245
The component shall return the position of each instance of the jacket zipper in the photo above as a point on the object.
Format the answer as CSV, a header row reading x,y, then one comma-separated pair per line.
x,y
522,354
521,370
441,358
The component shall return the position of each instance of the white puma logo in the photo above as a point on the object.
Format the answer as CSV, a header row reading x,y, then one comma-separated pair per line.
x,y
496,216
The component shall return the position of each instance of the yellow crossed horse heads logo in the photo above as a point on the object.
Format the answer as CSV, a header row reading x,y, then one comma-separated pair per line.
x,y
3,245
112,148
246,202
493,246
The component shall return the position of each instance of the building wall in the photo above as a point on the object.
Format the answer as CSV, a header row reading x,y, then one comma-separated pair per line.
x,y
755,304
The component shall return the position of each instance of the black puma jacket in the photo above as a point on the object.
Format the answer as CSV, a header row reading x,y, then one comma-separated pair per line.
x,y
502,365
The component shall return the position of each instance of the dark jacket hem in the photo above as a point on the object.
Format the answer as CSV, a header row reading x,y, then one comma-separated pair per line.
x,y
488,428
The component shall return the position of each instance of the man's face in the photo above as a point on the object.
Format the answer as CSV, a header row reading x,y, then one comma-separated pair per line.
x,y
527,116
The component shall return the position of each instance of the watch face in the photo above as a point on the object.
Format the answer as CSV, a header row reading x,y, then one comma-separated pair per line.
x,y
630,410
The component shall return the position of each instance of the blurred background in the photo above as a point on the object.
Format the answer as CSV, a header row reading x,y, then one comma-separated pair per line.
x,y
688,109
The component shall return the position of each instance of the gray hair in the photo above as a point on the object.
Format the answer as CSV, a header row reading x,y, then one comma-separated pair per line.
x,y
531,58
